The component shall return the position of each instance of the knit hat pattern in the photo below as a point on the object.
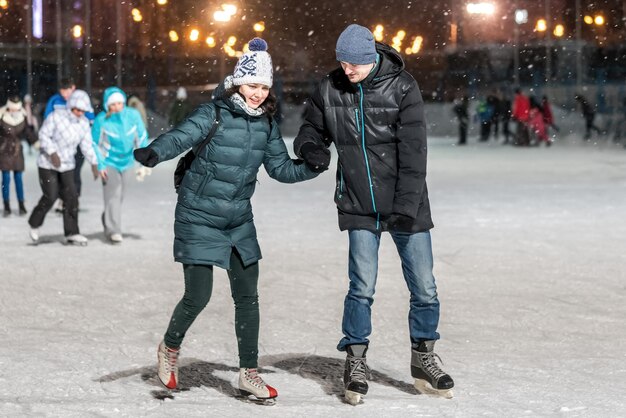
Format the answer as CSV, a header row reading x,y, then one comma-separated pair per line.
x,y
356,45
255,66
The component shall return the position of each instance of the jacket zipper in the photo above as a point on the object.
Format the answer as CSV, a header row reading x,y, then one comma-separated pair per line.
x,y
367,163
358,123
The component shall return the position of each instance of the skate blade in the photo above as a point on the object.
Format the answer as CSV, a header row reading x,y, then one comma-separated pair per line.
x,y
77,244
353,398
426,388
250,398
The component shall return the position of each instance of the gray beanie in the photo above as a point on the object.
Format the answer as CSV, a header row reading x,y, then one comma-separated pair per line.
x,y
356,45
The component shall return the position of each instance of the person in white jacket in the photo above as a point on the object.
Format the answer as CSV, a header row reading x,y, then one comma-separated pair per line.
x,y
60,134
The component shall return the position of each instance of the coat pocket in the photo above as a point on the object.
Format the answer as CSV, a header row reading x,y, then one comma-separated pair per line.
x,y
340,183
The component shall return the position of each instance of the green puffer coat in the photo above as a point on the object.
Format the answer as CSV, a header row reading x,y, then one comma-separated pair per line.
x,y
213,213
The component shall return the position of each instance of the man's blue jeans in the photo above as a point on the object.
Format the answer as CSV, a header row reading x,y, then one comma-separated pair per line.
x,y
416,254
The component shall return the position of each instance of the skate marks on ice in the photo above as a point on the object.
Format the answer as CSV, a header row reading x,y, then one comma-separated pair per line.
x,y
60,239
192,373
45,239
328,373
55,239
100,236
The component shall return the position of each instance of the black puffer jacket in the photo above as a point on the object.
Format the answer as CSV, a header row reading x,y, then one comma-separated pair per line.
x,y
379,131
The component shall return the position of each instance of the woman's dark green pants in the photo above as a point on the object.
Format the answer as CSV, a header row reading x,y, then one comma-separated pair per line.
x,y
243,288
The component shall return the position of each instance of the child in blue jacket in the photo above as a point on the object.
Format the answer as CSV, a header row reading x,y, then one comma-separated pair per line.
x,y
117,132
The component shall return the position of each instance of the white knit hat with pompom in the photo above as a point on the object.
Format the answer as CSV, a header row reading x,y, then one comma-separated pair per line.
x,y
255,66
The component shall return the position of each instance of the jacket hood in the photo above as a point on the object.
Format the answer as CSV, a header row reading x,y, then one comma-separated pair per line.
x,y
390,63
220,91
80,100
108,92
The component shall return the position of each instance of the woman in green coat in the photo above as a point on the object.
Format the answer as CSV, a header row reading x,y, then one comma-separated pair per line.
x,y
213,222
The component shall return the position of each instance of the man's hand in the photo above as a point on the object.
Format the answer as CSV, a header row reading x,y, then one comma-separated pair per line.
x,y
399,222
146,156
316,157
55,160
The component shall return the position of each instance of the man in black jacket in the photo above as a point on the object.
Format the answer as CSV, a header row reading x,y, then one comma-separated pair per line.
x,y
372,110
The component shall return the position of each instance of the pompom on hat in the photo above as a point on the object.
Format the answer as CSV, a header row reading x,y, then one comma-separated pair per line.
x,y
255,66
181,93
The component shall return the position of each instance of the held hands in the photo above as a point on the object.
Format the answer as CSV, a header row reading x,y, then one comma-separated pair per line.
x,y
146,156
55,160
142,172
316,157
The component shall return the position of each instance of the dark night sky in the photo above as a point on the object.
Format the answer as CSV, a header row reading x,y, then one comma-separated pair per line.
x,y
301,33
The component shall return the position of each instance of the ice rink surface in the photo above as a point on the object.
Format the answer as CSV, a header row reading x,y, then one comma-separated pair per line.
x,y
530,260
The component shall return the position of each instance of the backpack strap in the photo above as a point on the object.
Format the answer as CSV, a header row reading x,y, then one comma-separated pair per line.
x,y
214,127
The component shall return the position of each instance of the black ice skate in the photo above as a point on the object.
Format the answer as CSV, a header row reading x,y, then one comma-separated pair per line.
x,y
355,373
429,378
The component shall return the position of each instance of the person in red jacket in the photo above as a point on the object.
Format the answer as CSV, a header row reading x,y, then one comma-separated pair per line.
x,y
520,113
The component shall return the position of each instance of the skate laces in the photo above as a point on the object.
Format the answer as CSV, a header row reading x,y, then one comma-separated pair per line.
x,y
358,368
252,376
171,358
430,365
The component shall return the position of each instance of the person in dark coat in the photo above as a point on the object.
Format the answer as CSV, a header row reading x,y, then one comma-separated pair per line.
x,y
620,126
180,109
548,116
484,115
214,223
505,112
13,127
462,115
589,114
372,110
493,100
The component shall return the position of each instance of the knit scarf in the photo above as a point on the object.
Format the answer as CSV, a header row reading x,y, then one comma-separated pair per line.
x,y
240,101
12,118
